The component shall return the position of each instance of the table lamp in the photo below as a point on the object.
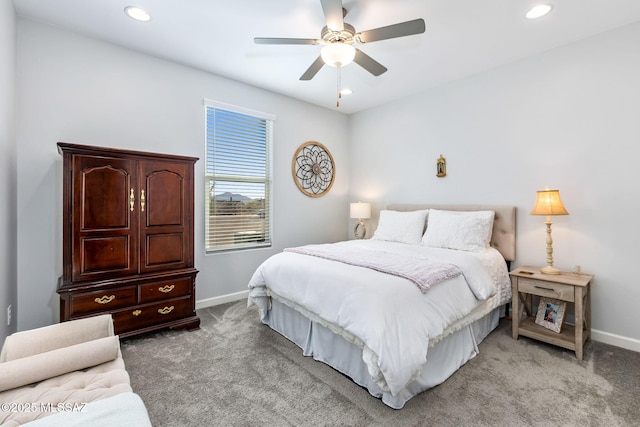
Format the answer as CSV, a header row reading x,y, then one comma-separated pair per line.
x,y
360,211
548,203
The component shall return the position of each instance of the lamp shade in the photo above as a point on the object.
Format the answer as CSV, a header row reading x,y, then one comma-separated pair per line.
x,y
338,54
548,202
360,210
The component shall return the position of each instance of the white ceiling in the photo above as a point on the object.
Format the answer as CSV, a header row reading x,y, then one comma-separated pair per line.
x,y
462,37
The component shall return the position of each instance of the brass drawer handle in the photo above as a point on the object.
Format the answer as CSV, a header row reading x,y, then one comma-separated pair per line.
x,y
137,312
142,200
166,289
165,310
105,299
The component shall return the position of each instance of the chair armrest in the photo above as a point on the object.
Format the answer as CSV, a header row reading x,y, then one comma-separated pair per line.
x,y
41,340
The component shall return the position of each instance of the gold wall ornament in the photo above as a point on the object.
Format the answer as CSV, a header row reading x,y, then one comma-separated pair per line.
x,y
313,169
441,167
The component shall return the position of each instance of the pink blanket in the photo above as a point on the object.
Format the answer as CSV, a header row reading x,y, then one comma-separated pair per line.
x,y
422,272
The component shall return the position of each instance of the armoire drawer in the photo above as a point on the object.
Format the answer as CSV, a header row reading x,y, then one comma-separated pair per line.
x,y
166,289
103,300
141,316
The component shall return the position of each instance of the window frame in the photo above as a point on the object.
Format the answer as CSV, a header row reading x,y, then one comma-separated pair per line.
x,y
210,175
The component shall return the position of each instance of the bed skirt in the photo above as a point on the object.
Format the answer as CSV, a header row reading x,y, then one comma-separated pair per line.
x,y
443,359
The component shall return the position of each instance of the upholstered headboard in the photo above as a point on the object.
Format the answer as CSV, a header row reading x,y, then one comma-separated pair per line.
x,y
504,223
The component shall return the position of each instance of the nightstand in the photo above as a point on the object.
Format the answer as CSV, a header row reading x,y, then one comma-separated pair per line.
x,y
527,282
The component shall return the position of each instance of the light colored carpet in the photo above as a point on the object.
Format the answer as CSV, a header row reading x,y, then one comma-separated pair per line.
x,y
235,371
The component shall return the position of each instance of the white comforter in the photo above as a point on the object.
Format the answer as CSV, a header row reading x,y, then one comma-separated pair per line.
x,y
386,315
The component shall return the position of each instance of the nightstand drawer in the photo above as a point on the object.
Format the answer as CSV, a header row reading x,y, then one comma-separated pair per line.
x,y
546,289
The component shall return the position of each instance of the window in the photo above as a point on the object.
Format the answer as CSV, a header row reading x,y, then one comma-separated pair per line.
x,y
238,178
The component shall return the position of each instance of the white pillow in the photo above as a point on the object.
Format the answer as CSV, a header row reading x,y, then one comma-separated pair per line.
x,y
467,231
404,227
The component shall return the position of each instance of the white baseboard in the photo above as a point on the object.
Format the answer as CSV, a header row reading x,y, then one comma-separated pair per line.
x,y
223,299
617,340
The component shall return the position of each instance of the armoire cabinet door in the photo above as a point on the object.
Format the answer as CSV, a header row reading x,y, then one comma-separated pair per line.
x,y
104,219
166,219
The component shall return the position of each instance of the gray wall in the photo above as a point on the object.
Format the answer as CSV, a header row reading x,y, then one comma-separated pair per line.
x,y
568,119
80,90
8,212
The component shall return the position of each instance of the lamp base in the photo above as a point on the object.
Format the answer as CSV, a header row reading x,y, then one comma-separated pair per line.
x,y
549,270
360,230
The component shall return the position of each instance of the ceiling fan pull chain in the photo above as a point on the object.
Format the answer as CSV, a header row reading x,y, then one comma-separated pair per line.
x,y
339,88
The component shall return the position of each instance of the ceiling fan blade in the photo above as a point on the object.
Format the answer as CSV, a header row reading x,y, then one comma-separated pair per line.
x,y
274,40
368,63
332,10
313,69
392,31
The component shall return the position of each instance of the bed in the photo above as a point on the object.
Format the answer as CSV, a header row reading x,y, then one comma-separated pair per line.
x,y
398,313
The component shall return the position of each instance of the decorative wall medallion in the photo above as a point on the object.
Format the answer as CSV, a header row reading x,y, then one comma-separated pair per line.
x,y
441,167
313,169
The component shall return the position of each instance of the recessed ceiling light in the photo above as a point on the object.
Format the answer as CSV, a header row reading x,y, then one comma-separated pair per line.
x,y
346,92
137,13
538,11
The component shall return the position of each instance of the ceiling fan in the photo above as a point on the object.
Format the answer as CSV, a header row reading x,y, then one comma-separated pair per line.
x,y
338,39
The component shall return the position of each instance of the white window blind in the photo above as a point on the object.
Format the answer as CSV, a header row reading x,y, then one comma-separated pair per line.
x,y
238,178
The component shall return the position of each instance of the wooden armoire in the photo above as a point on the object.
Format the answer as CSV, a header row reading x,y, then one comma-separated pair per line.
x,y
128,238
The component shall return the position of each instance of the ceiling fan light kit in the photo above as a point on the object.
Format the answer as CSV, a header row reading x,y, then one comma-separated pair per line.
x,y
338,39
338,54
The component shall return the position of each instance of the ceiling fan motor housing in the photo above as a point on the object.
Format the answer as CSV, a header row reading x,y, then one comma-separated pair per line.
x,y
347,35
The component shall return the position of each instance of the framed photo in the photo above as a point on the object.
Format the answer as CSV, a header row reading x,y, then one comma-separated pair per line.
x,y
551,313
